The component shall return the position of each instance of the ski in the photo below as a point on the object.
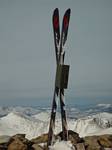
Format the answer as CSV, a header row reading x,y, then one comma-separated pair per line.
x,y
64,33
56,30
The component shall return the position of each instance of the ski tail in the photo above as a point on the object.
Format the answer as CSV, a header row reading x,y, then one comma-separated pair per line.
x,y
56,29
52,119
63,116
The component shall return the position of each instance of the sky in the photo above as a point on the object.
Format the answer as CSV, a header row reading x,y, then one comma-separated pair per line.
x,y
27,53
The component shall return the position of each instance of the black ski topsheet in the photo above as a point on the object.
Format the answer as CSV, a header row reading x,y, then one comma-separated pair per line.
x,y
64,34
65,25
56,29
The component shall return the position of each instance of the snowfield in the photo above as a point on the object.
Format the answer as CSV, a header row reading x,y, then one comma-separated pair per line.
x,y
36,122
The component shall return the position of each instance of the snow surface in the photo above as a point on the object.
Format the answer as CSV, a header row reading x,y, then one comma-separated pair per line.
x,y
62,145
36,122
16,122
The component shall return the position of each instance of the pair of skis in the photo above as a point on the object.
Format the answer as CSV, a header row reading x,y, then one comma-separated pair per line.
x,y
59,42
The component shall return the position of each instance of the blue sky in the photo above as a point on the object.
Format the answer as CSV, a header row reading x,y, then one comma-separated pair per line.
x,y
27,55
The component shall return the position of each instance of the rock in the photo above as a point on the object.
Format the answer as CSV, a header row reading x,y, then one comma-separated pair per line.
x,y
4,142
72,136
40,139
21,137
91,143
37,147
4,139
17,145
107,148
19,142
80,146
93,147
105,141
3,147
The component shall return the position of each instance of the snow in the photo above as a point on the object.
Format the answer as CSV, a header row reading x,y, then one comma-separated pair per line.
x,y
42,116
94,125
62,145
104,105
104,120
16,122
19,121
89,126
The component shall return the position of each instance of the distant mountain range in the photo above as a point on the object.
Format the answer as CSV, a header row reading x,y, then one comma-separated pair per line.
x,y
34,122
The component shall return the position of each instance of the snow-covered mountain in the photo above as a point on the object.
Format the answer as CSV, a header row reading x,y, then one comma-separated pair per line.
x,y
25,110
94,125
16,122
34,122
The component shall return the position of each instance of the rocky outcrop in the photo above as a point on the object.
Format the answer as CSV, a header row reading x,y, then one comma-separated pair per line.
x,y
40,139
91,143
105,141
37,147
98,142
4,142
72,136
19,142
